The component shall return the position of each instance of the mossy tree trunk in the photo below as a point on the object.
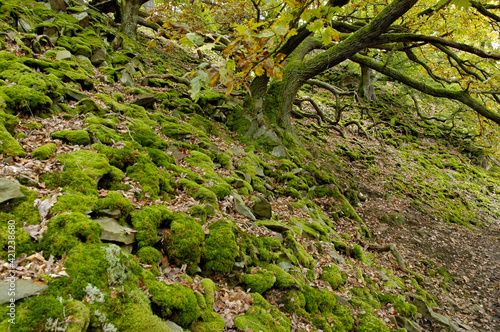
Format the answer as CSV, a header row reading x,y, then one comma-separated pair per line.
x,y
129,16
366,88
280,95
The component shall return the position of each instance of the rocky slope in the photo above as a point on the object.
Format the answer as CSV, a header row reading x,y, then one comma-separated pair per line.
x,y
126,206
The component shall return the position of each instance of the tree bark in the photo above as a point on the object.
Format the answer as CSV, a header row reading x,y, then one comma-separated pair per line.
x,y
461,96
129,17
366,88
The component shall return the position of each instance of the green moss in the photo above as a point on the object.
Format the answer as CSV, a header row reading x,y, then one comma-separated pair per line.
x,y
263,317
260,281
319,301
24,243
74,203
333,276
120,158
299,251
67,230
94,164
34,313
221,248
103,134
369,322
184,242
20,98
209,289
76,137
149,255
198,192
9,145
148,175
139,318
44,152
295,302
208,321
400,305
181,131
174,302
72,180
359,253
21,209
147,220
283,279
145,136
116,201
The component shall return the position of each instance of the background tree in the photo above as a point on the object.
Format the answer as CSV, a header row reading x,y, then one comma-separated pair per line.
x,y
273,48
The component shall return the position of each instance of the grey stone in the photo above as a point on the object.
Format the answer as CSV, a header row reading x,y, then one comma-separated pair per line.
x,y
26,180
99,56
52,33
63,55
23,288
285,265
113,231
126,79
279,151
262,208
146,101
238,183
25,27
260,171
336,257
83,19
116,43
76,95
82,58
237,150
409,325
9,190
241,208
274,226
112,213
174,327
130,67
57,5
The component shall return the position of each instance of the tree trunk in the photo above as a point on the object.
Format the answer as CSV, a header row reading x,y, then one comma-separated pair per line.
x,y
366,89
129,17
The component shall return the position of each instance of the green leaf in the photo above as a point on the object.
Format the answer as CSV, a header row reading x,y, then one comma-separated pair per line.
x,y
315,26
200,79
461,4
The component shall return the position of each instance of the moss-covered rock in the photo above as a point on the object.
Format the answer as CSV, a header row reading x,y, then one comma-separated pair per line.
x,y
152,180
9,145
44,152
260,281
221,248
146,222
94,164
116,201
140,318
333,276
184,242
76,137
72,180
67,230
20,98
263,317
74,203
145,136
284,280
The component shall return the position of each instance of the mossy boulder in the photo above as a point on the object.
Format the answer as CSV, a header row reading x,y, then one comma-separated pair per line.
x,y
94,164
260,281
333,275
146,222
44,152
263,317
116,201
74,203
9,145
145,136
140,318
120,158
67,230
72,180
221,249
284,280
184,242
152,180
180,131
75,137
174,302
20,98
319,301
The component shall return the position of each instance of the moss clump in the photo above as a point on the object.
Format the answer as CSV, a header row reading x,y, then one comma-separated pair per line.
x,y
72,180
9,145
263,317
180,131
319,301
221,248
260,281
21,209
400,305
116,201
149,255
139,318
76,137
146,222
359,253
299,251
24,242
120,158
20,98
74,203
94,164
295,302
198,192
284,280
152,180
175,302
34,313
184,242
333,276
44,152
145,136
67,230
103,134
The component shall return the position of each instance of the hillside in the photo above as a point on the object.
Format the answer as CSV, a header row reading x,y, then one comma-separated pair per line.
x,y
128,206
